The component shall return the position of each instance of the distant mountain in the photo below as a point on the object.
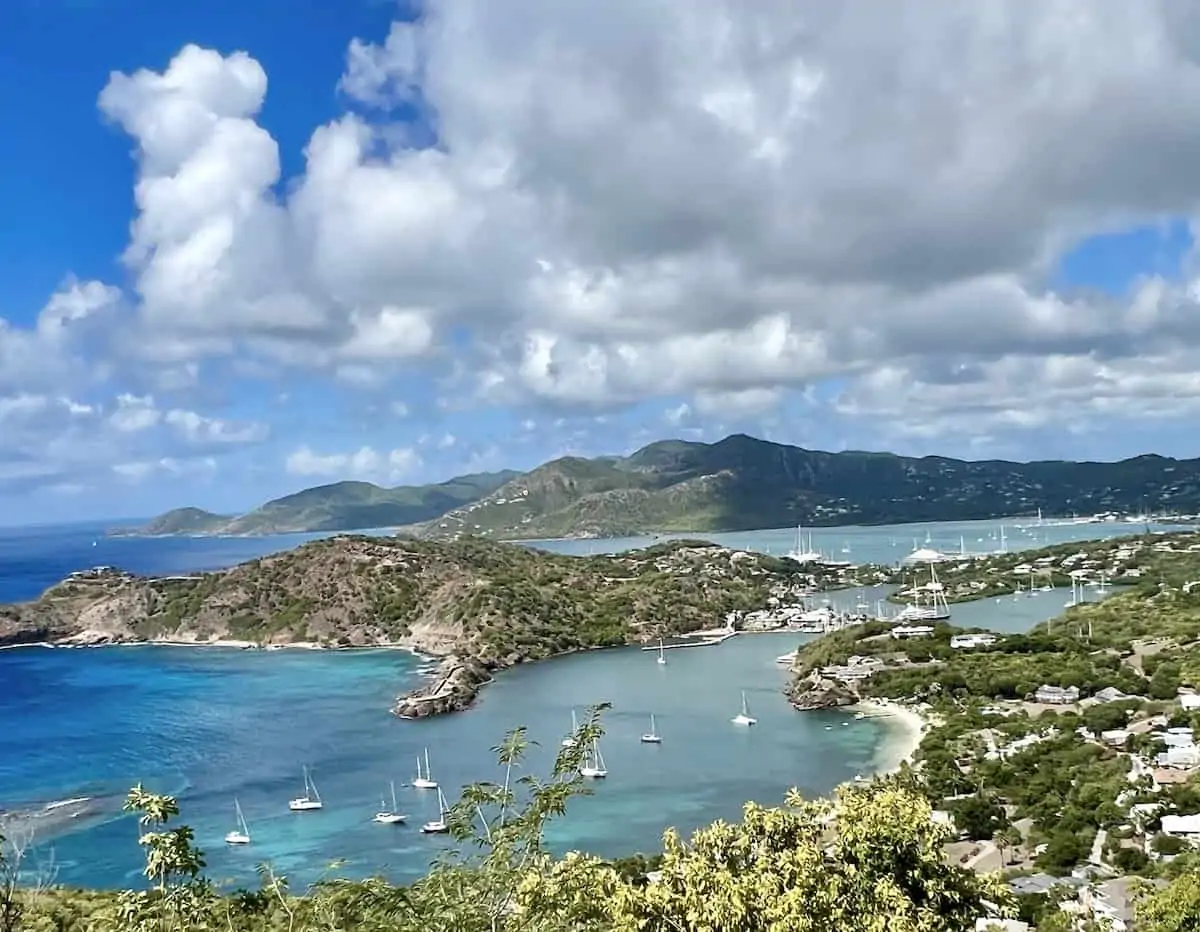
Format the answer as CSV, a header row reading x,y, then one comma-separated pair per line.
x,y
742,483
342,506
185,521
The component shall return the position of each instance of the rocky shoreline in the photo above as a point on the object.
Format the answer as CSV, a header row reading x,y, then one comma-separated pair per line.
x,y
813,692
452,688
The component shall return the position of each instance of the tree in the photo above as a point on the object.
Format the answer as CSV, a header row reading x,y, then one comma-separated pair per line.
x,y
1005,838
979,816
22,883
1175,908
870,858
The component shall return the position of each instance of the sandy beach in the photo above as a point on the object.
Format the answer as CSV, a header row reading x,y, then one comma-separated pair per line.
x,y
905,726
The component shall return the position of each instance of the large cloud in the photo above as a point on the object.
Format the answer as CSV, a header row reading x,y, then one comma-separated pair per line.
x,y
602,204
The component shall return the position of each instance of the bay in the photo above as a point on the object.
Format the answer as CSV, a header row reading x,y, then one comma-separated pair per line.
x,y
209,725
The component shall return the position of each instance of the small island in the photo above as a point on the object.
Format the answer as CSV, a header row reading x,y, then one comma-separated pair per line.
x,y
476,606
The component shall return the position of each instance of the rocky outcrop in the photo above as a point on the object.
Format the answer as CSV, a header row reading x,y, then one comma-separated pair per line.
x,y
452,689
817,692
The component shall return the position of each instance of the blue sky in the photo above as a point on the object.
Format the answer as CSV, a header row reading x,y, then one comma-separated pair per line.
x,y
256,246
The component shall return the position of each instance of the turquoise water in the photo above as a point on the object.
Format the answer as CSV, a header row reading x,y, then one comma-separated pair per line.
x,y
211,725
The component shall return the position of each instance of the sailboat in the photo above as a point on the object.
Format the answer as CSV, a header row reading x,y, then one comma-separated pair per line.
x,y
652,736
241,834
662,659
594,765
391,816
426,781
438,826
569,740
743,717
311,798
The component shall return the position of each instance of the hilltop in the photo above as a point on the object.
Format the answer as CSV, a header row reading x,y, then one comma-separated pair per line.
x,y
481,605
341,506
742,483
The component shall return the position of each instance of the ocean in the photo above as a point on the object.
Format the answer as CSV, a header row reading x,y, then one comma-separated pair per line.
x,y
214,725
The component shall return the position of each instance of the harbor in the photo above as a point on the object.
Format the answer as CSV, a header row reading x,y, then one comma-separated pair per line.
x,y
126,715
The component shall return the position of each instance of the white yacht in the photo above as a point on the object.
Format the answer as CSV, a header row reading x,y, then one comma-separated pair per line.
x,y
439,825
799,553
386,816
593,766
743,717
652,736
424,781
241,834
311,798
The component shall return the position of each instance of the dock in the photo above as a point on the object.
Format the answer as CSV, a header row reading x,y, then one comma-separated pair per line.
x,y
707,641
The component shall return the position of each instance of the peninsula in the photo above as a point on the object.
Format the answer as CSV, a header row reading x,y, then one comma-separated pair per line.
x,y
479,605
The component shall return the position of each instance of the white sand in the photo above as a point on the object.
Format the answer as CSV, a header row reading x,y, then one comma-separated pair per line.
x,y
905,726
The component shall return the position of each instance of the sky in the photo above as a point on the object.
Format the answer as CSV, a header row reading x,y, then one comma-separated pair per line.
x,y
250,246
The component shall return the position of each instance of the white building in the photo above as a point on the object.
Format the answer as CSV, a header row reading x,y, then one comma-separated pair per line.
x,y
912,631
961,641
1189,701
1057,695
1182,826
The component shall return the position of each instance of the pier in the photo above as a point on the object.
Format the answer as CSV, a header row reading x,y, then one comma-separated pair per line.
x,y
696,641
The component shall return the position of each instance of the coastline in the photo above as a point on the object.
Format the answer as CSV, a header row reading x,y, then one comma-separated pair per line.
x,y
904,729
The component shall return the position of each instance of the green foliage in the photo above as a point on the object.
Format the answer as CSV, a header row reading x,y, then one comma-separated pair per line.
x,y
1175,908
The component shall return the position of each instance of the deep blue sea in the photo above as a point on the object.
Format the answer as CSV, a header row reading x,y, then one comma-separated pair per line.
x,y
211,725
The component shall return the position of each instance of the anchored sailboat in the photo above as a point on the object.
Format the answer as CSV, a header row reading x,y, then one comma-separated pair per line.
x,y
743,717
391,816
438,826
240,835
311,798
661,656
569,740
424,781
593,766
652,736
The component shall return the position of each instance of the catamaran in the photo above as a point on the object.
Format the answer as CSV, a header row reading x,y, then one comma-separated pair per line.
x,y
241,834
652,736
311,798
743,717
569,740
593,766
424,781
391,816
661,656
438,826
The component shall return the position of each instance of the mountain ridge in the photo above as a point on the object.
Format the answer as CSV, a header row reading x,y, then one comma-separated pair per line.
x,y
738,483
744,483
338,506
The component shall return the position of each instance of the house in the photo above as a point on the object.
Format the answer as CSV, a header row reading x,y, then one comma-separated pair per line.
x,y
1112,901
1180,758
1042,884
912,631
1000,925
1189,701
1115,738
960,641
1182,826
1110,694
1057,695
